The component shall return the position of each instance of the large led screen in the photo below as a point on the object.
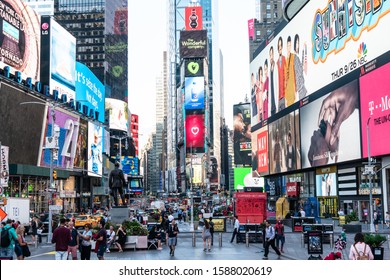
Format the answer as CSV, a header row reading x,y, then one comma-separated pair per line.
x,y
375,104
95,147
326,181
260,159
284,144
330,127
81,146
193,18
193,43
328,40
242,142
194,93
195,131
68,127
20,38
118,112
242,177
58,58
89,90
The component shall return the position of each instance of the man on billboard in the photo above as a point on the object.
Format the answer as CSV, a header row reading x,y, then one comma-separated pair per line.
x,y
116,182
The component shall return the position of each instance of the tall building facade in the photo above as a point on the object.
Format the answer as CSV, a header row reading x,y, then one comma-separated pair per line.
x,y
100,28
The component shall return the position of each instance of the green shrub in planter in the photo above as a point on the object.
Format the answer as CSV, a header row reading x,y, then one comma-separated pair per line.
x,y
374,240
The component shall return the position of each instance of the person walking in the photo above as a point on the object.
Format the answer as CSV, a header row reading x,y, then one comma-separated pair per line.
x,y
101,241
7,248
270,240
279,231
173,230
61,237
360,250
211,230
21,247
387,219
86,237
34,229
236,228
116,182
206,236
73,245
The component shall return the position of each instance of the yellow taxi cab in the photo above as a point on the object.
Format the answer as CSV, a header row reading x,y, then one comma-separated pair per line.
x,y
82,220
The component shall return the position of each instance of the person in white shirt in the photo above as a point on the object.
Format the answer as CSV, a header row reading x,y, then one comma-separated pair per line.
x,y
270,240
303,214
110,238
236,228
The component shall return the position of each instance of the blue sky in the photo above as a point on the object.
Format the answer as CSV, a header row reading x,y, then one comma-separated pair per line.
x,y
147,41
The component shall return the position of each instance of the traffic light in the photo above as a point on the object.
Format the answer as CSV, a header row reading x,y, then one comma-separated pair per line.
x,y
54,174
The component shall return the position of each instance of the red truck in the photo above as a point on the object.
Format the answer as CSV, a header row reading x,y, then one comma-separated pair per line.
x,y
250,207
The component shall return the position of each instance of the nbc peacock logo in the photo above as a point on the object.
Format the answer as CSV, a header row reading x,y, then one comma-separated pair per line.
x,y
362,51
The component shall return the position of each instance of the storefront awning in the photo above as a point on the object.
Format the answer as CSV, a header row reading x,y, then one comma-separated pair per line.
x,y
31,170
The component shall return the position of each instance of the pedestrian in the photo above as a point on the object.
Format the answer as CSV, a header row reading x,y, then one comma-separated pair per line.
x,y
61,237
7,250
110,238
86,237
180,215
120,242
387,219
173,230
279,231
270,240
155,235
376,220
19,246
360,250
206,236
73,245
211,230
236,228
101,241
303,213
34,229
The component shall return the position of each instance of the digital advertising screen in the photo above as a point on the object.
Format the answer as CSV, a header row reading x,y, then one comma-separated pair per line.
x,y
20,44
194,93
58,56
193,68
95,149
118,112
375,110
194,131
242,177
330,127
284,144
328,40
130,165
193,18
81,146
89,90
68,127
193,43
260,159
326,181
242,142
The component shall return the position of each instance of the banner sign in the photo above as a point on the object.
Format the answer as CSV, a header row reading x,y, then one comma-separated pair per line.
x,y
4,168
193,43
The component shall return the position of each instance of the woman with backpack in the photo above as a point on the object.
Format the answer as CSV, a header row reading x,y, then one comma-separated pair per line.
x,y
206,235
360,250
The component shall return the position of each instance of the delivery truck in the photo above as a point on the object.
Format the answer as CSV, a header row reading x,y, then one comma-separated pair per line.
x,y
17,209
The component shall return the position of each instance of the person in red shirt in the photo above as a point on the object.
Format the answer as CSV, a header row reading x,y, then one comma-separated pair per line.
x,y
61,237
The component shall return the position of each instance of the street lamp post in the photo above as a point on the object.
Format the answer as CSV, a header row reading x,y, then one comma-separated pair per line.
x,y
370,170
192,194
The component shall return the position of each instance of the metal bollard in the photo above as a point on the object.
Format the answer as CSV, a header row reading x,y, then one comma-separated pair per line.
x,y
220,239
193,240
303,240
247,239
331,242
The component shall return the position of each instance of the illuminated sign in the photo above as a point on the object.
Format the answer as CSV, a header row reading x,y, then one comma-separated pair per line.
x,y
195,131
193,43
193,18
194,93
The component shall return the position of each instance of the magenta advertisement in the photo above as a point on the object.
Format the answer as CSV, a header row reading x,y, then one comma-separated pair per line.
x,y
375,110
68,129
195,131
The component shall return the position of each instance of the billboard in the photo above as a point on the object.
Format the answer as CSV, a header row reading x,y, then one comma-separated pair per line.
x,y
95,149
193,18
328,40
375,104
81,146
193,43
242,145
89,90
326,183
134,132
193,68
130,165
121,21
118,112
58,55
194,131
20,38
251,29
68,126
284,144
242,177
194,93
327,125
260,159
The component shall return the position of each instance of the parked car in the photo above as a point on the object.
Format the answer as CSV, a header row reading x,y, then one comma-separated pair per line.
x,y
82,220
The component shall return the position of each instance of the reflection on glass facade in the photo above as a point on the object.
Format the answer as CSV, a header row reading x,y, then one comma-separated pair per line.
x,y
101,31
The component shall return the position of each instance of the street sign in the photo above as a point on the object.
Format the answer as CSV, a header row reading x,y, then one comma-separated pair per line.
x,y
369,169
2,214
55,207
